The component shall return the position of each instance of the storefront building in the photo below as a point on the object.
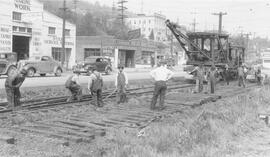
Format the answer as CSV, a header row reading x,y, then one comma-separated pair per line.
x,y
27,29
130,53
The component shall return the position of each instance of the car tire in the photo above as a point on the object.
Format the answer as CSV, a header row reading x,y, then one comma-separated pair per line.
x,y
30,72
11,70
42,75
58,72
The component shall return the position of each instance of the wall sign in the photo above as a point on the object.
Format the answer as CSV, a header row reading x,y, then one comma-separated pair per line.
x,y
22,5
5,39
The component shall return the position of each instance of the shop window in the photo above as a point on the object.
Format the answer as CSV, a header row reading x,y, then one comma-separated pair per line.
x,y
146,57
56,53
51,30
91,52
67,32
16,16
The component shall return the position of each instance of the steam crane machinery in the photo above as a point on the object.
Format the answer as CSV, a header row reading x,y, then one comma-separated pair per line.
x,y
208,49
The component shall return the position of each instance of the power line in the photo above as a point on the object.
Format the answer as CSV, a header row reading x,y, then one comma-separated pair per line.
x,y
220,14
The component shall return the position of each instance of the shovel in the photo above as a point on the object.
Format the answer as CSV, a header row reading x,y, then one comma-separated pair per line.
x,y
110,94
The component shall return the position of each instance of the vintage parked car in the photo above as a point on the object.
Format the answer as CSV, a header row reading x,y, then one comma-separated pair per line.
x,y
41,65
103,64
8,63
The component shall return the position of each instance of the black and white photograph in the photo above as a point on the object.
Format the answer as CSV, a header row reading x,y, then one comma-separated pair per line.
x,y
134,78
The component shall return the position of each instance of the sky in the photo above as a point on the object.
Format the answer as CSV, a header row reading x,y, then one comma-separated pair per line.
x,y
247,16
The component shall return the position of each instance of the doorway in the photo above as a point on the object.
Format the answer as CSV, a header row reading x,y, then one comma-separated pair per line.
x,y
20,45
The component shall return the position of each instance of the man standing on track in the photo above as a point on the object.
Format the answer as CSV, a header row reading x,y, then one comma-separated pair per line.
x,y
95,85
199,75
121,82
12,86
241,76
212,78
73,84
161,75
227,74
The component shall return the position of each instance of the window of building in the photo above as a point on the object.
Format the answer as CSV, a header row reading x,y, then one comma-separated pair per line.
x,y
16,16
134,21
22,29
67,32
139,21
149,21
91,52
146,57
56,53
51,30
15,29
29,30
144,22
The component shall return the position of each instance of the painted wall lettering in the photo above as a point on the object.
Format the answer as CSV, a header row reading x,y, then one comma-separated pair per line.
x,y
22,5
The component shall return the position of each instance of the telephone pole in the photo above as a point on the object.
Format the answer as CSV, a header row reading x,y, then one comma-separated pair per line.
x,y
220,14
122,8
63,54
194,23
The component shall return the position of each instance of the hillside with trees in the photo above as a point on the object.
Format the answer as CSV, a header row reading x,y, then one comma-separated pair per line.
x,y
90,19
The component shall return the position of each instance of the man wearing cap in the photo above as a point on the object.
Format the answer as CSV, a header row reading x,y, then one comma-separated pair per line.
x,y
121,82
12,86
73,84
161,75
95,85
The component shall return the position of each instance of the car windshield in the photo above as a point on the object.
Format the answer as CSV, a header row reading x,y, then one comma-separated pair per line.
x,y
34,58
8,56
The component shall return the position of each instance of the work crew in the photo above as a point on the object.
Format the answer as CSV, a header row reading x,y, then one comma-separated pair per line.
x,y
226,74
12,86
241,76
161,75
73,85
198,72
212,78
95,85
121,82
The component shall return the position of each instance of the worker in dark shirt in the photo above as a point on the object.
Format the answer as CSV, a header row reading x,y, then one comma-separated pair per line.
x,y
12,86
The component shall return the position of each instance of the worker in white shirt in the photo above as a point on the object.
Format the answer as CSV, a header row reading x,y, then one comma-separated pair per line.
x,y
161,75
73,84
121,82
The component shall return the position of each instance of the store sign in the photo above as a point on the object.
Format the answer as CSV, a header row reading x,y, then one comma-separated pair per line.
x,y
58,41
5,39
22,5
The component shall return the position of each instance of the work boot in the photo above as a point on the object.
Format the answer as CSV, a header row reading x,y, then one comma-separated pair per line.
x,y
161,108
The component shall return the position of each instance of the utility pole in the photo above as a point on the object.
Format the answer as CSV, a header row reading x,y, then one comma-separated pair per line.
x,y
63,54
220,14
194,21
75,9
122,8
141,6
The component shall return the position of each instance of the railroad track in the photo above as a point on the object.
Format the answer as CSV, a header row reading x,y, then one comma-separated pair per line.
x,y
85,126
55,101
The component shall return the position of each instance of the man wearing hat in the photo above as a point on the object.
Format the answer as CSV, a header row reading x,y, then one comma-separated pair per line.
x,y
12,86
121,82
95,85
161,75
73,85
